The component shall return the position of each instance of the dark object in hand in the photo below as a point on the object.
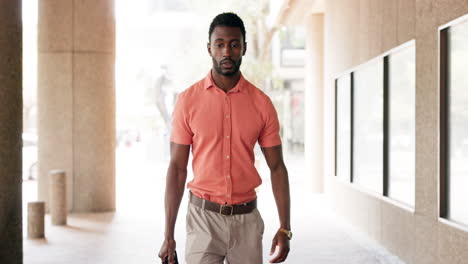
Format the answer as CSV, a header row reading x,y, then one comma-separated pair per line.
x,y
166,260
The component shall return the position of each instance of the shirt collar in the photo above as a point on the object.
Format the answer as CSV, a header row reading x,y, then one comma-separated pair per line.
x,y
240,86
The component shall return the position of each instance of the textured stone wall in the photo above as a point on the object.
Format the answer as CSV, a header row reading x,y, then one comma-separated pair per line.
x,y
357,31
11,245
76,100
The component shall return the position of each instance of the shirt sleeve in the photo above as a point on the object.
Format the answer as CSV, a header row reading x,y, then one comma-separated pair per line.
x,y
180,128
269,136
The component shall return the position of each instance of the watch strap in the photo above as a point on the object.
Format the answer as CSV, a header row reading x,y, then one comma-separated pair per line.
x,y
287,232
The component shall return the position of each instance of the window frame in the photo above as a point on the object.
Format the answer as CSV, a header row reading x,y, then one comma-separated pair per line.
x,y
444,64
351,76
384,192
444,175
388,126
380,60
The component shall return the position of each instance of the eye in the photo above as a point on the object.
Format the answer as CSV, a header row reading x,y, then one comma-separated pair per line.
x,y
235,45
220,45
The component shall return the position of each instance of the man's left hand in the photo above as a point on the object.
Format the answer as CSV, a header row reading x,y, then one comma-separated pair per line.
x,y
281,242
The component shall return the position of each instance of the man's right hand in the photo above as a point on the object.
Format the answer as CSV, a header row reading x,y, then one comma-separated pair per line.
x,y
175,183
167,250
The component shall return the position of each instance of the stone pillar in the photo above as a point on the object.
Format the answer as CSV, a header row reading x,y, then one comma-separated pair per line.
x,y
11,232
58,197
36,215
76,100
313,136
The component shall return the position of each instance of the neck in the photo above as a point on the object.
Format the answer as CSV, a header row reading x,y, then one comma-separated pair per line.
x,y
225,83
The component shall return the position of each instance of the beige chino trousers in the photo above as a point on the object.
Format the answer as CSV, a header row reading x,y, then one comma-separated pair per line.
x,y
213,238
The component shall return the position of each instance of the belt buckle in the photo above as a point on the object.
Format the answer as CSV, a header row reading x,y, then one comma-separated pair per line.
x,y
221,209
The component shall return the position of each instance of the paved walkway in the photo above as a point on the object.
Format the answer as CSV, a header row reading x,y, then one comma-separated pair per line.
x,y
134,232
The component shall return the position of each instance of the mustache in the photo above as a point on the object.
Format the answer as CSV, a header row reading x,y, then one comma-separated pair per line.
x,y
227,60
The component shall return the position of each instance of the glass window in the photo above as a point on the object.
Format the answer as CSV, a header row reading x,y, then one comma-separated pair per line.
x,y
368,127
343,127
401,130
458,122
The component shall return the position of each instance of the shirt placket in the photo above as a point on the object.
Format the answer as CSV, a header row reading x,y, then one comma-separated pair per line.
x,y
227,147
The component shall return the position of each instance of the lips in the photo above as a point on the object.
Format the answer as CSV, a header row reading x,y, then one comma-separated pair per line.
x,y
227,64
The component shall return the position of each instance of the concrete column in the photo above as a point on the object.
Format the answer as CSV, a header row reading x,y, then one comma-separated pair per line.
x,y
11,232
76,100
36,215
313,136
58,197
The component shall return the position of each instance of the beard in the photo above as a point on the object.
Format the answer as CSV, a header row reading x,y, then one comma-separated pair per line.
x,y
235,67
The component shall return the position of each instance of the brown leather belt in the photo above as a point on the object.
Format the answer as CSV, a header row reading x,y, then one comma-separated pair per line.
x,y
244,208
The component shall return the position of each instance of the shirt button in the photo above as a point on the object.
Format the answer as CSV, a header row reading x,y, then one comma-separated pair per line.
x,y
228,195
227,136
227,157
227,116
229,176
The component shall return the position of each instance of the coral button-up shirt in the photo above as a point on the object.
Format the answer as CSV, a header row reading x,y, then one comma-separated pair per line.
x,y
223,129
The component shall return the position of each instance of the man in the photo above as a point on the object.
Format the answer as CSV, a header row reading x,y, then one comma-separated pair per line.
x,y
222,117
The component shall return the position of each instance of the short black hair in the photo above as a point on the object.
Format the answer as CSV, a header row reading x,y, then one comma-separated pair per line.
x,y
229,20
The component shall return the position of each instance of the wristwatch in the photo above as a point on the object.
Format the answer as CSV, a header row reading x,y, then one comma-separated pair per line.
x,y
287,232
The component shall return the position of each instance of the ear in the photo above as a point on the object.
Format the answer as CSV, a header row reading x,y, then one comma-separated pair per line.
x,y
245,48
208,48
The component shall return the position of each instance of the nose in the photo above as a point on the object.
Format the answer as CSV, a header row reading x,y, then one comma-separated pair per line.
x,y
227,51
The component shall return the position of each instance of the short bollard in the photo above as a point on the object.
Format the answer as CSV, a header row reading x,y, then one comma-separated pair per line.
x,y
58,197
36,212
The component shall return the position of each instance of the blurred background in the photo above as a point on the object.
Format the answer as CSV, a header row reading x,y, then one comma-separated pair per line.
x,y
161,51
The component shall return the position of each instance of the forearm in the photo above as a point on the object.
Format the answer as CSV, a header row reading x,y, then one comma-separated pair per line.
x,y
175,184
280,185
